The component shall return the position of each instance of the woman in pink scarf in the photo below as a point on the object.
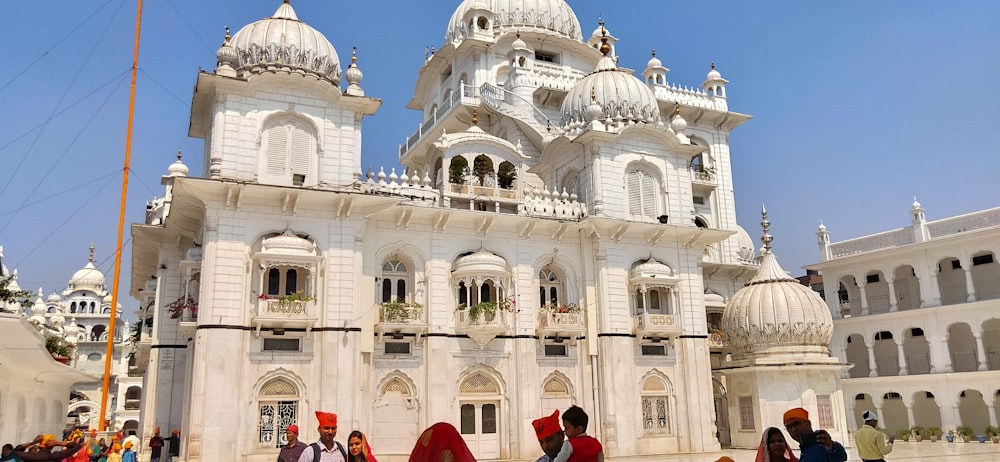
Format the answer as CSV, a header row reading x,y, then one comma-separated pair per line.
x,y
774,448
358,449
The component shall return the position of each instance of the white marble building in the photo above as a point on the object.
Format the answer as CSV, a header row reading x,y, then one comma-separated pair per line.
x,y
917,312
562,232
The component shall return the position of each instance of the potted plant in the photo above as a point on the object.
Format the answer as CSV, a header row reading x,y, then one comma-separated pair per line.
x,y
993,433
934,433
397,311
918,432
950,437
903,434
965,432
177,307
58,349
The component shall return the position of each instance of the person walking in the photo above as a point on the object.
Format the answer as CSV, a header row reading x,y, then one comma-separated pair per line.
x,y
155,445
550,436
870,441
174,450
327,449
815,446
291,451
774,448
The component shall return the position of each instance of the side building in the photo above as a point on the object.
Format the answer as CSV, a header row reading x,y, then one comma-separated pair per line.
x,y
917,313
559,234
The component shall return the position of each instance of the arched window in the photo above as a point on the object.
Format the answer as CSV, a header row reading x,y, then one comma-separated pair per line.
x,y
278,405
288,152
482,171
550,288
571,183
132,397
641,187
458,170
656,406
283,280
506,175
395,282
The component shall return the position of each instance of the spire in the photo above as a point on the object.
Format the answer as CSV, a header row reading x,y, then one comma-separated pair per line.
x,y
766,225
475,116
91,252
178,153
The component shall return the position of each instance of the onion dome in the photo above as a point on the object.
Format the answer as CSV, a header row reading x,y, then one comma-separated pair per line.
x,y
227,54
822,227
713,74
88,277
53,298
106,301
177,168
354,76
677,122
621,96
916,205
284,42
654,62
480,263
287,243
519,44
774,315
549,16
39,308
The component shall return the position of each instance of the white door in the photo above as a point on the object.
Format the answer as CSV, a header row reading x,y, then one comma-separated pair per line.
x,y
480,427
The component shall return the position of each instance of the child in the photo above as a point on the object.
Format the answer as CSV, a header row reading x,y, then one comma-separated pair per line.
x,y
578,447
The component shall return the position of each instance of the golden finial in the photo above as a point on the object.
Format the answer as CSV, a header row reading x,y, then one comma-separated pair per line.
x,y
178,154
677,110
91,252
593,95
654,52
228,37
354,55
288,2
713,65
605,48
475,116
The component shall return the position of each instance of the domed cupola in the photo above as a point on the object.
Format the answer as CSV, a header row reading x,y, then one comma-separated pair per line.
x,y
497,17
621,96
776,319
283,43
287,243
88,277
177,168
480,263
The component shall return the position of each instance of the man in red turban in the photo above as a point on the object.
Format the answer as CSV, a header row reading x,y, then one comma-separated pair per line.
x,y
293,450
326,449
441,443
550,436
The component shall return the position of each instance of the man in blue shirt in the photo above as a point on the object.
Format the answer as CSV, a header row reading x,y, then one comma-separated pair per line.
x,y
815,446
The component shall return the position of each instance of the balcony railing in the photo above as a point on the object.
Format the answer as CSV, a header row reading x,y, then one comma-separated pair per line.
x,y
398,318
716,340
482,328
655,325
466,94
555,324
278,313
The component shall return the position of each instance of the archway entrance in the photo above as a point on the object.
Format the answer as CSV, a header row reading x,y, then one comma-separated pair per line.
x,y
479,415
721,413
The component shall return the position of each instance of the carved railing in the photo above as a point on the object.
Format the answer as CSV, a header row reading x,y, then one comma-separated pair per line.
x,y
466,94
963,223
277,313
884,240
554,320
498,98
409,314
650,321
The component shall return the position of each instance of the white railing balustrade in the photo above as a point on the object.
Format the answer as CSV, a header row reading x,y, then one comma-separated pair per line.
x,y
884,240
963,223
554,320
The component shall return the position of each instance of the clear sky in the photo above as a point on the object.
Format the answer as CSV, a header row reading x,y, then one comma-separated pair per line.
x,y
858,106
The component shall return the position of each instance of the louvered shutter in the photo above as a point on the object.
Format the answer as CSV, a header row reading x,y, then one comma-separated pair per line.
x,y
277,149
648,195
300,147
634,199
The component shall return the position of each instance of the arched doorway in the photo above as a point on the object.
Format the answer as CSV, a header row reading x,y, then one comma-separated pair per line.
x,y
721,413
479,415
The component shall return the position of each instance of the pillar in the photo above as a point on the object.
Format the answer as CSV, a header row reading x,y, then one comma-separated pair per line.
x,y
970,288
935,291
892,296
910,420
864,299
872,365
902,357
980,351
991,408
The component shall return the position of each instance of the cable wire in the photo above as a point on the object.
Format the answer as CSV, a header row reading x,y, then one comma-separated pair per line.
x,y
190,27
149,76
53,196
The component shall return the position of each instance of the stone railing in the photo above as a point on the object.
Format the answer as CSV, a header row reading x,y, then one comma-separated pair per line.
x,y
404,314
963,223
650,321
716,340
275,308
466,94
552,204
689,96
554,320
884,240
484,191
414,187
499,99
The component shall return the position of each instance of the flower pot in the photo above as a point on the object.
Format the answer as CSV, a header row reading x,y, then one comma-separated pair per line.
x,y
950,438
62,359
995,438
935,438
981,438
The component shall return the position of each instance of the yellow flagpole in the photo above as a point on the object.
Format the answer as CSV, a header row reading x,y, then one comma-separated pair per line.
x,y
109,352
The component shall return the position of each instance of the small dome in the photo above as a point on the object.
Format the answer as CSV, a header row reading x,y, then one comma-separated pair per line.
x,y
227,54
654,62
775,315
53,298
713,299
916,205
353,73
650,269
107,300
713,74
620,95
553,16
519,44
282,41
822,227
88,277
289,244
482,262
177,169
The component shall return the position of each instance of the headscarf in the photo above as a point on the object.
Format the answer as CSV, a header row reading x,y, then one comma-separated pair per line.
x,y
764,455
366,450
441,443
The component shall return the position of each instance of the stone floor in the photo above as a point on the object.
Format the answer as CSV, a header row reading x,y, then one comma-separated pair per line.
x,y
902,452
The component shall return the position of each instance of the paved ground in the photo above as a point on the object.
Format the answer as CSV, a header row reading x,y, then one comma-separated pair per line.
x,y
902,452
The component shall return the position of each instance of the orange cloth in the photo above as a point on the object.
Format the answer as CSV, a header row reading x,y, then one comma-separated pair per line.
x,y
725,459
764,453
797,413
157,430
326,419
441,443
546,426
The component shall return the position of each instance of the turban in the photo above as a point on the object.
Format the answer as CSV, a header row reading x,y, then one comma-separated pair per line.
x,y
326,419
157,430
293,429
175,432
93,433
441,443
869,415
116,447
128,445
546,426
797,413
725,459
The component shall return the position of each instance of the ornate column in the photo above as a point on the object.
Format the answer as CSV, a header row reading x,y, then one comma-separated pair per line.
x,y
872,365
991,408
892,295
980,351
970,288
864,299
941,356
902,357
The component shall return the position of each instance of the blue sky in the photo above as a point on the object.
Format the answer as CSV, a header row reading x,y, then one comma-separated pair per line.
x,y
857,106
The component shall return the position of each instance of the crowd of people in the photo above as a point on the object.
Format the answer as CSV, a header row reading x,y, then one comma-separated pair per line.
x,y
562,439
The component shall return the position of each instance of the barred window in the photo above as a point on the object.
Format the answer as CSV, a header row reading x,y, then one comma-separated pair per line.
x,y
746,413
656,407
824,410
278,405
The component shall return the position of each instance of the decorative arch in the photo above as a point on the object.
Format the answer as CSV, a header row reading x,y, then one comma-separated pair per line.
x,y
656,402
481,379
557,385
399,382
290,147
643,190
564,268
410,254
395,417
279,398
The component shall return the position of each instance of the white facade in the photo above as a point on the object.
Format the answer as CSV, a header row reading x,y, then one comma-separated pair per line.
x,y
549,242
917,312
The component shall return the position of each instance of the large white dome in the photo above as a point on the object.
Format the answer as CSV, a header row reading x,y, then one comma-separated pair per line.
x,y
618,94
284,42
516,15
88,277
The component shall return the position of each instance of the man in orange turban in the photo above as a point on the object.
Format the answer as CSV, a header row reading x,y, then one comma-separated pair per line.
x,y
550,436
815,446
327,449
156,446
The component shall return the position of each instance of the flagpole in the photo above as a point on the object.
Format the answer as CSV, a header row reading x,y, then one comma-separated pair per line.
x,y
109,351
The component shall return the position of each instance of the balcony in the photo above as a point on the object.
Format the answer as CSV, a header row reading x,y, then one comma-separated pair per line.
x,y
567,324
481,326
716,340
655,325
396,318
282,313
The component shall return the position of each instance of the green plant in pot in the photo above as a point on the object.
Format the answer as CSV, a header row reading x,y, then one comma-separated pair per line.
x,y
934,433
903,434
918,432
57,347
993,433
965,432
397,311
